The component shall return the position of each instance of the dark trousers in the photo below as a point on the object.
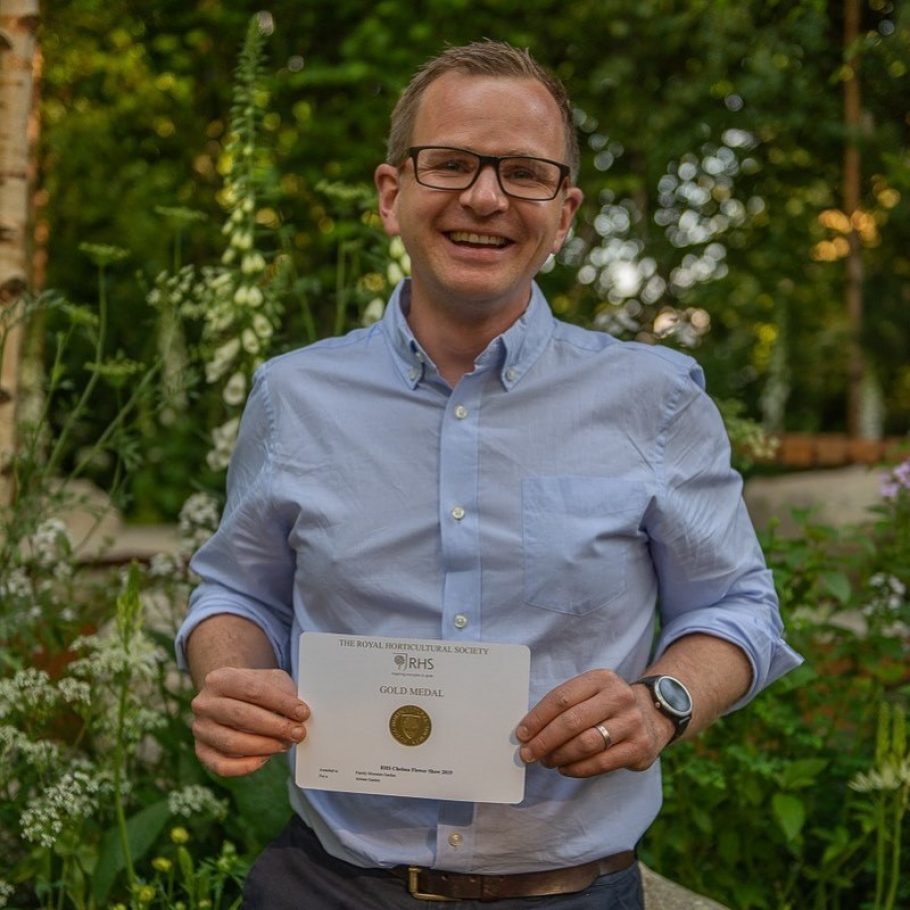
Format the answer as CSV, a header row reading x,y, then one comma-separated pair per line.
x,y
295,873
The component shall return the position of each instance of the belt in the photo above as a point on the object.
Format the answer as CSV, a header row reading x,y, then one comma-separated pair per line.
x,y
436,885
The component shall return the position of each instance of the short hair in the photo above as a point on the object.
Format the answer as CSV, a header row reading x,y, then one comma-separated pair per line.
x,y
480,58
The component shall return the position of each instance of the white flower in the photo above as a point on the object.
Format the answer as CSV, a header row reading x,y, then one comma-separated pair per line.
x,y
242,240
250,341
235,389
77,795
49,542
162,565
396,248
6,891
217,460
222,359
252,264
200,510
889,776
223,439
262,327
74,691
394,273
373,311
29,691
16,584
195,800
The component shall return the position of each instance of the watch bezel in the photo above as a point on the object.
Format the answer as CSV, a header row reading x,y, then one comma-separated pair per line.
x,y
667,705
679,717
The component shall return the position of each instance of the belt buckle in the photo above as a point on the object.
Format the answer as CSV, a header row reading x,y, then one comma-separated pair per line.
x,y
413,888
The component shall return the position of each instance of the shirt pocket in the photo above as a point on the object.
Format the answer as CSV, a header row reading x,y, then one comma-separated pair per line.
x,y
578,534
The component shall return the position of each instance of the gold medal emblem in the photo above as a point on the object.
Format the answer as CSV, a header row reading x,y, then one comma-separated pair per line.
x,y
410,725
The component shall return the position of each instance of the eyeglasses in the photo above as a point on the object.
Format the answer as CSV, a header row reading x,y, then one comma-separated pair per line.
x,y
441,168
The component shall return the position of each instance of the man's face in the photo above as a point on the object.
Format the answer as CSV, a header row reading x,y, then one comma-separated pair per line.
x,y
475,251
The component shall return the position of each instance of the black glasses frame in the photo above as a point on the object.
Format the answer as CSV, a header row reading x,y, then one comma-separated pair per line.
x,y
494,162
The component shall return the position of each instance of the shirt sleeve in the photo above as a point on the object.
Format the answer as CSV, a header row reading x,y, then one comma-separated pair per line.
x,y
247,567
711,570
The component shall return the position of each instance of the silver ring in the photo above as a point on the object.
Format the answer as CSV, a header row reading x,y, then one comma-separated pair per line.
x,y
605,733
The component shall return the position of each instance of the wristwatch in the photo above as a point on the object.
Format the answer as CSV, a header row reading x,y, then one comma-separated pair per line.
x,y
671,698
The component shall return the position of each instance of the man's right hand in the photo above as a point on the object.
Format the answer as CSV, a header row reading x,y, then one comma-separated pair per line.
x,y
242,717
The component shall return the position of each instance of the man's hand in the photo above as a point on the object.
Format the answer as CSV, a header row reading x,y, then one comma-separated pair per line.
x,y
561,730
243,717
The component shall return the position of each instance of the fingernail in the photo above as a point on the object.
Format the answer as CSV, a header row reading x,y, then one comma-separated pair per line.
x,y
521,732
297,733
301,712
527,756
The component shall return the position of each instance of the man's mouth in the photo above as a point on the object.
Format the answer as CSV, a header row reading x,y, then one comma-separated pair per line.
x,y
483,240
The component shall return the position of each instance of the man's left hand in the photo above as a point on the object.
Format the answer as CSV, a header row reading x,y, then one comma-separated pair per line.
x,y
561,730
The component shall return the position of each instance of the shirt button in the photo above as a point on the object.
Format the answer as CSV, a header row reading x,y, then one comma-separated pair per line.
x,y
458,513
460,621
461,412
412,374
511,375
455,839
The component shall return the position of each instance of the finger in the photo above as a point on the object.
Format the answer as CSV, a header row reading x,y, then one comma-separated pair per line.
x,y
229,765
632,748
556,702
271,689
587,744
238,743
243,716
625,755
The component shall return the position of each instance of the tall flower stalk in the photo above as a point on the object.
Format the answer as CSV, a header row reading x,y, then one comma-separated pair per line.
x,y
888,785
245,308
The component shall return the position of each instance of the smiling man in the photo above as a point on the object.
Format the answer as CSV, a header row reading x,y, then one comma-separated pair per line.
x,y
471,469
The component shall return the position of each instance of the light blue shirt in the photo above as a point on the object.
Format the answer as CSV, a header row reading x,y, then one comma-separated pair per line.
x,y
554,497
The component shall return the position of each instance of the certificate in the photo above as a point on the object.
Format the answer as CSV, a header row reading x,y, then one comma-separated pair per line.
x,y
413,717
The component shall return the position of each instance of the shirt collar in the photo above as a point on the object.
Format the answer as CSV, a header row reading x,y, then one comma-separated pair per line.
x,y
513,352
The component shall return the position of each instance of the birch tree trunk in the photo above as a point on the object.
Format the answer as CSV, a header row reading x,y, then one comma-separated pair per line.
x,y
18,21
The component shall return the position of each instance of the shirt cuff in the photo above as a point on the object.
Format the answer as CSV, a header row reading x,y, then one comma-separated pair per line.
x,y
767,652
205,604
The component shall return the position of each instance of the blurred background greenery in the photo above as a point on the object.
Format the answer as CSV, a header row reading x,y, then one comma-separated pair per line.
x,y
713,136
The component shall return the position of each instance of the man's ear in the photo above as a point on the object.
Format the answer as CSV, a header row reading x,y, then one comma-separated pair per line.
x,y
386,178
570,202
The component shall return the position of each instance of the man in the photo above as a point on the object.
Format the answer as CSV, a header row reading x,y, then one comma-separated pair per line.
x,y
471,469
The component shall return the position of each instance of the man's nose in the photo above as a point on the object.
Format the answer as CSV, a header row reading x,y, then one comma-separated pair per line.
x,y
485,194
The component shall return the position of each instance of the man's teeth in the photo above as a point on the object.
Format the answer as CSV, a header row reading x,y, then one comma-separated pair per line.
x,y
484,239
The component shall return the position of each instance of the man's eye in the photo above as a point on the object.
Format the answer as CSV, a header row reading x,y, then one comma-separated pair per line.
x,y
520,173
456,165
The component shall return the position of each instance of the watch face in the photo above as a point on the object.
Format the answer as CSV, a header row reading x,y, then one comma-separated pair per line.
x,y
675,695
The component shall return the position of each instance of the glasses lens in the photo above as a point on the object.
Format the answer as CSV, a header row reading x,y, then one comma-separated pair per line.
x,y
455,169
446,169
529,178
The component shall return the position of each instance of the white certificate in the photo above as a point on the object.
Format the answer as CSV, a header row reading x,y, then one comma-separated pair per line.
x,y
413,717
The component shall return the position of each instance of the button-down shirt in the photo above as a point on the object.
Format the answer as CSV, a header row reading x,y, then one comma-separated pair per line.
x,y
554,497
